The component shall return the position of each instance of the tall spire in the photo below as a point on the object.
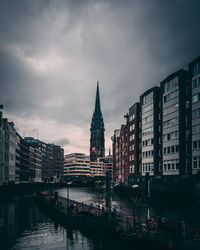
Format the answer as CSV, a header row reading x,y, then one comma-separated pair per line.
x,y
97,148
97,103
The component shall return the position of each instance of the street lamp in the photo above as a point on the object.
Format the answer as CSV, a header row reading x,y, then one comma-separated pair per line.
x,y
134,207
68,183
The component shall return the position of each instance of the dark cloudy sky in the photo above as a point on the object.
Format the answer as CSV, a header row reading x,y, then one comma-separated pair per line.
x,y
53,51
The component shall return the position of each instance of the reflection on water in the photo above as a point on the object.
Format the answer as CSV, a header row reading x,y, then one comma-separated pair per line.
x,y
23,225
172,211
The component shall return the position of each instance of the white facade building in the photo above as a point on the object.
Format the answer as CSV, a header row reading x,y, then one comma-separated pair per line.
x,y
76,164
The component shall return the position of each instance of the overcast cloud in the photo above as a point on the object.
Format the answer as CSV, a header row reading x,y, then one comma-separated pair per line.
x,y
53,52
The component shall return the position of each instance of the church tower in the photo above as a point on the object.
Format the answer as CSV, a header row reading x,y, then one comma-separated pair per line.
x,y
97,148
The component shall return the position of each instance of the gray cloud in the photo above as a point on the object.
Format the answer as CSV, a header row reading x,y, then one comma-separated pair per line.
x,y
53,52
63,142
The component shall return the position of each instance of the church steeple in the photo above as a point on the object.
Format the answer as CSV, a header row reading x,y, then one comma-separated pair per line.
x,y
97,131
97,103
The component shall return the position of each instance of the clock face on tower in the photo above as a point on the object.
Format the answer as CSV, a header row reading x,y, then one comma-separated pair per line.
x,y
97,148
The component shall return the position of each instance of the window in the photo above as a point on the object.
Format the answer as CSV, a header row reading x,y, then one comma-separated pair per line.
x,y
147,99
132,127
171,122
196,69
194,144
131,148
148,167
171,136
195,162
171,165
132,117
132,137
147,131
196,114
196,98
171,84
147,108
170,96
132,169
147,119
195,83
148,142
196,129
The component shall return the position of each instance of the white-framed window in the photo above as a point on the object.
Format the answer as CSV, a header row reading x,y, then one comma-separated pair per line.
x,y
132,137
132,127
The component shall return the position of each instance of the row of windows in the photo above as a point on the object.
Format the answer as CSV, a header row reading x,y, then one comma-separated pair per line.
x,y
147,167
131,148
171,122
170,96
196,114
69,169
196,144
196,83
171,165
131,158
148,142
171,136
132,127
196,98
196,162
132,117
171,84
170,150
147,131
147,154
171,109
147,119
147,99
147,108
196,129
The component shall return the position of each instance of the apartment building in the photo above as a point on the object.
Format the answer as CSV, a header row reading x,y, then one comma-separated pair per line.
x,y
194,77
133,141
120,155
150,132
174,129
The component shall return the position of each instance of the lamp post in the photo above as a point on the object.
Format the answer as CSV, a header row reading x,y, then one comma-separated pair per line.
x,y
134,207
68,183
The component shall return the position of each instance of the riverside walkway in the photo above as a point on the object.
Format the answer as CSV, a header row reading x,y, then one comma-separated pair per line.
x,y
107,222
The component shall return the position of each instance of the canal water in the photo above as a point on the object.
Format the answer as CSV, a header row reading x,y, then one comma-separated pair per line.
x,y
24,225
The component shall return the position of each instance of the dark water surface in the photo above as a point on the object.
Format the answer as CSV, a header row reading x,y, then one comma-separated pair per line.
x,y
24,225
